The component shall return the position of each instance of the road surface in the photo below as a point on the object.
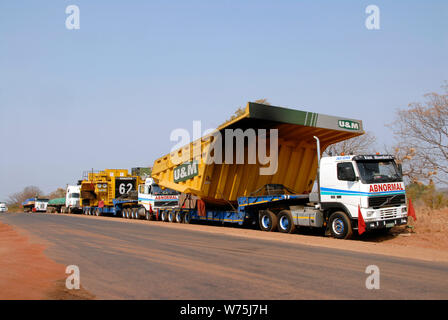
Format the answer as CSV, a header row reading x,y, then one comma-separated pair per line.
x,y
128,259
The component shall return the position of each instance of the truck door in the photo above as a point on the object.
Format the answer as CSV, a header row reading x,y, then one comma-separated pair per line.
x,y
348,186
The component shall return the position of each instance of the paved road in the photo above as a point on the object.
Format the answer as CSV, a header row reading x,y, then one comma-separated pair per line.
x,y
124,260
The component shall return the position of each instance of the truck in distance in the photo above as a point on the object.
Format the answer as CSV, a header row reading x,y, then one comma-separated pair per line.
x,y
35,205
3,207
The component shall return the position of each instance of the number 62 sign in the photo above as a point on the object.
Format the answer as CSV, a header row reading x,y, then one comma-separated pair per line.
x,y
124,186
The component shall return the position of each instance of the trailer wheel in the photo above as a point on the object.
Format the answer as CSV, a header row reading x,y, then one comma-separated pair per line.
x,y
123,213
286,222
187,217
97,212
179,217
268,220
340,226
171,216
135,213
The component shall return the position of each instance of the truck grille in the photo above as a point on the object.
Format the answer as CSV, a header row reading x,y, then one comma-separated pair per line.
x,y
389,213
376,202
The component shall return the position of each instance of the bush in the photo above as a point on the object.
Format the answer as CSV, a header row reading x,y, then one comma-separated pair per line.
x,y
427,196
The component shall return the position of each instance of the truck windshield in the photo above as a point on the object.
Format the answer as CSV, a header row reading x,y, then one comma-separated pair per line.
x,y
159,191
374,171
74,195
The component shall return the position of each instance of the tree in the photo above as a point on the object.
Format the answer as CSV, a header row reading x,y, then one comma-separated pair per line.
x,y
58,193
240,111
363,144
422,134
17,198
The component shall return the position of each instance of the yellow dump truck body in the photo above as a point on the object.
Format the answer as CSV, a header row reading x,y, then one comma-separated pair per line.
x,y
225,182
100,188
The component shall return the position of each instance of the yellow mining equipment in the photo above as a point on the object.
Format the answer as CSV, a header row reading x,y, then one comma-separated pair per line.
x,y
101,188
191,170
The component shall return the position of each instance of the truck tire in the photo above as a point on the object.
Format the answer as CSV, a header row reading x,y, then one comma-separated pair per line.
x,y
141,212
179,217
340,225
163,216
187,217
97,212
268,220
123,213
286,222
135,213
148,215
171,216
128,213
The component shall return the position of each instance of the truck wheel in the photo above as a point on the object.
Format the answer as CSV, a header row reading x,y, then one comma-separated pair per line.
x,y
179,217
286,222
340,225
141,212
97,212
171,216
187,218
128,213
148,215
268,220
135,213
123,213
163,216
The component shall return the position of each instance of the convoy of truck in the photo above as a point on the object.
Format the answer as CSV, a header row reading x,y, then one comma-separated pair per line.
x,y
305,191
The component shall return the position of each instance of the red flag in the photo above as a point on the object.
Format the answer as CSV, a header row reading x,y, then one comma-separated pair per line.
x,y
361,223
411,211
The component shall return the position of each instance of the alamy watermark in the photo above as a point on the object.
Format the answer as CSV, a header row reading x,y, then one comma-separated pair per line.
x,y
373,19
373,280
73,281
72,22
228,146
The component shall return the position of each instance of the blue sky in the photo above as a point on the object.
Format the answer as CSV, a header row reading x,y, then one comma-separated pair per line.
x,y
109,94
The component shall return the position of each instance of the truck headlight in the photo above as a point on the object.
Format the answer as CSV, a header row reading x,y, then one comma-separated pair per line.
x,y
370,213
403,210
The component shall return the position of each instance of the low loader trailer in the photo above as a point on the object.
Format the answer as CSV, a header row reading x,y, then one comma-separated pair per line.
x,y
56,205
109,192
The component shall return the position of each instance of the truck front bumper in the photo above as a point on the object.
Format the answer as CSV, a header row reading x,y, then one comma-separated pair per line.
x,y
372,225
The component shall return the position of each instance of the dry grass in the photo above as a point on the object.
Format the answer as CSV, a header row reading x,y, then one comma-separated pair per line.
x,y
430,230
430,221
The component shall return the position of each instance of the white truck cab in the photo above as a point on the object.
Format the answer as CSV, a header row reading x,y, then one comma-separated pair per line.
x,y
3,207
372,183
72,199
152,197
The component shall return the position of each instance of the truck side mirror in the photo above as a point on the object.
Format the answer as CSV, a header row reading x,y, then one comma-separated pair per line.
x,y
400,169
